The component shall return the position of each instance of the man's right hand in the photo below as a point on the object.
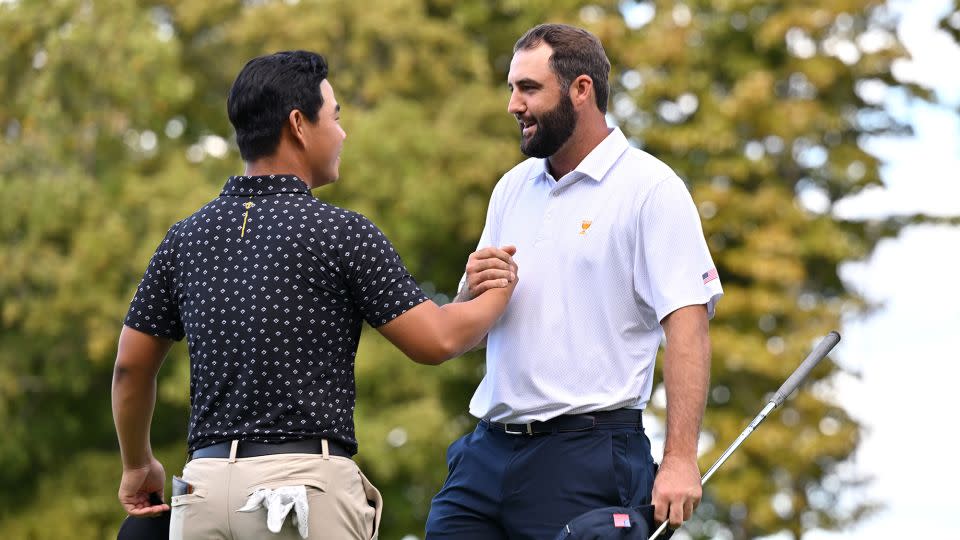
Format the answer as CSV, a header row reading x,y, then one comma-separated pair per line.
x,y
137,484
489,268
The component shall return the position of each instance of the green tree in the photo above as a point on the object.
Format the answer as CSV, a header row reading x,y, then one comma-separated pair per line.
x,y
113,126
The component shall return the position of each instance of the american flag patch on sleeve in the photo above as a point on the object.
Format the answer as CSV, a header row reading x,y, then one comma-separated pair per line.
x,y
709,275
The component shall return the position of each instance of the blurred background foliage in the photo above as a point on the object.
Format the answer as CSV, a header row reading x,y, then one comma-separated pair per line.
x,y
113,126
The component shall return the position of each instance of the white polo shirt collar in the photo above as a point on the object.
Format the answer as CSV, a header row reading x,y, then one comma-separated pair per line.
x,y
594,166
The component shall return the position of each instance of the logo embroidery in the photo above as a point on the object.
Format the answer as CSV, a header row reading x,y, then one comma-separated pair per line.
x,y
621,520
584,225
248,205
709,275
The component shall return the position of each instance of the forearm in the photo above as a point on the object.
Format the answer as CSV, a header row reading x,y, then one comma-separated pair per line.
x,y
464,296
134,392
468,321
430,334
134,396
686,374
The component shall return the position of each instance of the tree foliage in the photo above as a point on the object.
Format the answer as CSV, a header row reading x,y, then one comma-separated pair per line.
x,y
113,126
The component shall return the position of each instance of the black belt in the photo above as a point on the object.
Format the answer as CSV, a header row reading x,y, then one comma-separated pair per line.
x,y
572,422
246,449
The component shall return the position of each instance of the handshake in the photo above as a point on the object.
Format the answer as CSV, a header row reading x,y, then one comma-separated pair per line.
x,y
488,268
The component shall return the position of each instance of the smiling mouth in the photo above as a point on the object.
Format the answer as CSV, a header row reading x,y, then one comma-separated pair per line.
x,y
527,128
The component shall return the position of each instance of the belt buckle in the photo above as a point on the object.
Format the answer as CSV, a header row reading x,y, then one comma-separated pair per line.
x,y
528,431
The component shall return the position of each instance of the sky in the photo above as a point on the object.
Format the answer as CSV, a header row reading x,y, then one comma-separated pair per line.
x,y
907,351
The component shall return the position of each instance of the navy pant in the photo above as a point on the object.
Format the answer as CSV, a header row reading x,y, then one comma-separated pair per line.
x,y
520,487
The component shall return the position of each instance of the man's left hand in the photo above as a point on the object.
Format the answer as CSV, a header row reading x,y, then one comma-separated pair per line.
x,y
676,490
137,484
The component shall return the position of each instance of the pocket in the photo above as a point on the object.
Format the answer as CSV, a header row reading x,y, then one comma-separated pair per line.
x,y
315,483
375,500
454,452
187,514
193,478
180,500
624,475
634,467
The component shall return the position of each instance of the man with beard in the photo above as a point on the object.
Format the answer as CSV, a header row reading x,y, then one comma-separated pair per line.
x,y
614,259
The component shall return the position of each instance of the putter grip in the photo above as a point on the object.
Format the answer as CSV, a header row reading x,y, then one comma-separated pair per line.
x,y
819,352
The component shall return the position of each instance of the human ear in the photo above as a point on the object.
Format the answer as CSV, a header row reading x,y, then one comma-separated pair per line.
x,y
581,90
296,121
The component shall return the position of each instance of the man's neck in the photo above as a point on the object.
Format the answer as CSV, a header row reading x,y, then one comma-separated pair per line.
x,y
266,166
587,136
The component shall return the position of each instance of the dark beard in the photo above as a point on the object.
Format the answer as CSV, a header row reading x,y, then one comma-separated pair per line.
x,y
553,130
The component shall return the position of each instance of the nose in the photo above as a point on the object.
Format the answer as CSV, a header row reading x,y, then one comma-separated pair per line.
x,y
516,105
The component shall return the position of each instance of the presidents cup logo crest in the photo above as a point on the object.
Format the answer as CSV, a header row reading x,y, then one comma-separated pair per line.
x,y
584,225
248,205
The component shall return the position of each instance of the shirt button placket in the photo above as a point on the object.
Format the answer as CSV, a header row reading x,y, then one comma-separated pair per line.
x,y
546,224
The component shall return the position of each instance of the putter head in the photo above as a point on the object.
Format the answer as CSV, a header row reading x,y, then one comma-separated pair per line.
x,y
611,523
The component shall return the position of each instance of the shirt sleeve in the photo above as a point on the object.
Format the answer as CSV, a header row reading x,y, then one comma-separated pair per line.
x,y
673,267
378,281
154,309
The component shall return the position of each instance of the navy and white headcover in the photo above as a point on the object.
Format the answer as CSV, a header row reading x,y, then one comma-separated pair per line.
x,y
611,523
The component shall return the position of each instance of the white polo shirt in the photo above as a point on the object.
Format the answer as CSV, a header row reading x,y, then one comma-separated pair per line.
x,y
604,254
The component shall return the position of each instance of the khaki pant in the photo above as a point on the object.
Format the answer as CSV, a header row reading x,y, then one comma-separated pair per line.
x,y
344,505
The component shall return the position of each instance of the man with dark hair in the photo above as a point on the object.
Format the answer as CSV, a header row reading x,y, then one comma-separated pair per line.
x,y
270,287
614,258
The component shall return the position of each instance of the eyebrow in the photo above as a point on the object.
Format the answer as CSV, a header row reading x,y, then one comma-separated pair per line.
x,y
530,83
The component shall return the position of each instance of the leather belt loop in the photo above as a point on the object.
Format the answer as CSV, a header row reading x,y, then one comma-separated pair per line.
x,y
233,450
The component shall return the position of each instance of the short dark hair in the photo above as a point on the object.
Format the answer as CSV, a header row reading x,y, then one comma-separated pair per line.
x,y
575,52
265,92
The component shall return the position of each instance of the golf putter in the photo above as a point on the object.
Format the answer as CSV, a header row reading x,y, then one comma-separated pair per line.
x,y
819,352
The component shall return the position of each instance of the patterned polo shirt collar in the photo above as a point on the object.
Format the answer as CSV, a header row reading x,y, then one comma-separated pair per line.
x,y
245,186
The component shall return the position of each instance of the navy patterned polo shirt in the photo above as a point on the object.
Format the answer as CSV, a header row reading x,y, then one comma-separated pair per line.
x,y
270,287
